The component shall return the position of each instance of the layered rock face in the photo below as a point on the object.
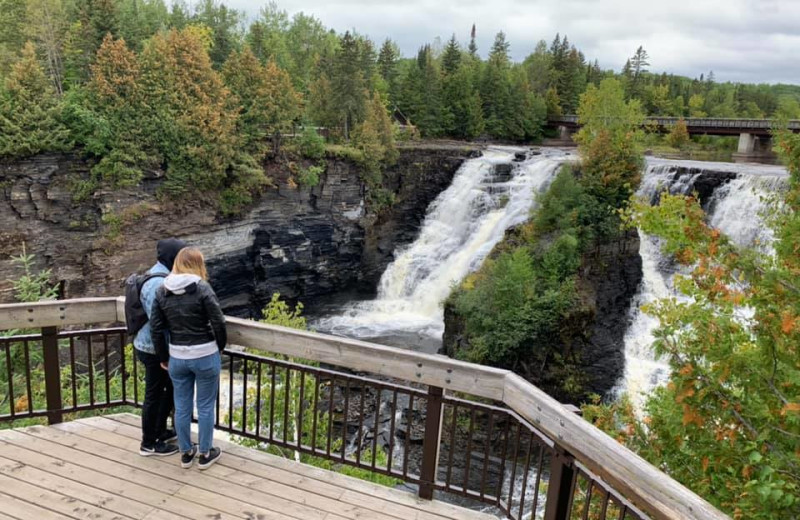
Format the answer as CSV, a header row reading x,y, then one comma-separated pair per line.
x,y
297,241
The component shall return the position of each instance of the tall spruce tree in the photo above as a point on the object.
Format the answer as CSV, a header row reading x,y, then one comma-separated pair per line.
x,y
473,47
349,86
496,94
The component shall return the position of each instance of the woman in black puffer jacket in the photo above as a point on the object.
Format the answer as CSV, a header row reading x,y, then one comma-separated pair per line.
x,y
187,308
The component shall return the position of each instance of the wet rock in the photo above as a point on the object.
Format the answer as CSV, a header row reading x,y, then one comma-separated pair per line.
x,y
519,156
302,243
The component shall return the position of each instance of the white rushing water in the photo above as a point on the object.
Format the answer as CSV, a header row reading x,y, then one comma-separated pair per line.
x,y
461,227
736,208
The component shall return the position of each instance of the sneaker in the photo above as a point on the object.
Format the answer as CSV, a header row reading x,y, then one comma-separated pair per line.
x,y
208,459
187,457
159,449
168,436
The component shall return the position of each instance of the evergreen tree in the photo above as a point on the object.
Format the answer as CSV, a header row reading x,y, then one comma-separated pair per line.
x,y
388,68
348,82
13,15
224,24
451,58
496,93
267,101
473,47
462,113
141,19
189,122
539,67
30,110
421,94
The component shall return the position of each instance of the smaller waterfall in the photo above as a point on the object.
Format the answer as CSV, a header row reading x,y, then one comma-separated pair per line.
x,y
736,208
488,195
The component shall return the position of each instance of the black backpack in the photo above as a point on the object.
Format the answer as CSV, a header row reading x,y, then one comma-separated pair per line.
x,y
135,315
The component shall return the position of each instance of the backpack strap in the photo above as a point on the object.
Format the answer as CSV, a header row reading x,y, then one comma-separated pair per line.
x,y
146,278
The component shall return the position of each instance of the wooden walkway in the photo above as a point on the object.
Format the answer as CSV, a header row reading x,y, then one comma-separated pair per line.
x,y
91,469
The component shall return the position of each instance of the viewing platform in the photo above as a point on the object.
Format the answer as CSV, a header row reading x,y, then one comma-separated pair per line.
x,y
90,468
450,432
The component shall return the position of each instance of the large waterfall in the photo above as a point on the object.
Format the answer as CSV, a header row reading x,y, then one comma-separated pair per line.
x,y
735,204
488,195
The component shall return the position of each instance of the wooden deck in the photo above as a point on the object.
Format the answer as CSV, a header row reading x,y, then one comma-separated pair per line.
x,y
90,468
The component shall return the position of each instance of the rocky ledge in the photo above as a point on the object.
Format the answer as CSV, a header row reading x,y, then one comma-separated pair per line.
x,y
300,242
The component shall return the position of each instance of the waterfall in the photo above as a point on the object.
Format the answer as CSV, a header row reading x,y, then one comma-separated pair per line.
x,y
488,195
735,207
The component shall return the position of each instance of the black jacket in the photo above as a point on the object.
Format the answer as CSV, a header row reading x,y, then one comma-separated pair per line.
x,y
191,318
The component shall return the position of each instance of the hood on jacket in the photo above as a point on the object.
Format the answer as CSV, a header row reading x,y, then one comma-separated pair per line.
x,y
167,249
179,283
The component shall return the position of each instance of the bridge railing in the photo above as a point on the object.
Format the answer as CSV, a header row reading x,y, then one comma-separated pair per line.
x,y
438,423
742,124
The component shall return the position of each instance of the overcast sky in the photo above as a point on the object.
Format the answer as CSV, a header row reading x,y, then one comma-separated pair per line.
x,y
740,40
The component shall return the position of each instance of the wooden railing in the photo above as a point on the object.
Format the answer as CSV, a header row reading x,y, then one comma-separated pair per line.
x,y
484,433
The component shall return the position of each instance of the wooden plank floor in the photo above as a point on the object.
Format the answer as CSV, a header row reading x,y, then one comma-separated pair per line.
x,y
91,469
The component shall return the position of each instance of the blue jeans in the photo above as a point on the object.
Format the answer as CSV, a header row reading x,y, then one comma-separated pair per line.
x,y
185,373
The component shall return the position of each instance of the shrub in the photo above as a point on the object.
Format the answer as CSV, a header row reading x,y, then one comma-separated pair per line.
x,y
311,144
309,177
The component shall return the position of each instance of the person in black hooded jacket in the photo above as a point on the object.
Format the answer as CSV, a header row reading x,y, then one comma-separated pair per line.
x,y
158,400
187,308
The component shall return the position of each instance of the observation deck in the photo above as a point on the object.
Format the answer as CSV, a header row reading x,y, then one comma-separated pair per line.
x,y
453,439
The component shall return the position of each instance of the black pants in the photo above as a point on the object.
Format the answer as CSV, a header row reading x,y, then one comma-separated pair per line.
x,y
158,401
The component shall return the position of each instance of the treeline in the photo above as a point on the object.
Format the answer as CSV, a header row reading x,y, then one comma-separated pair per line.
x,y
146,85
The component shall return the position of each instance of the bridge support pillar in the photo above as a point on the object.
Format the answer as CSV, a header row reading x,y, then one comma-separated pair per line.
x,y
754,148
747,143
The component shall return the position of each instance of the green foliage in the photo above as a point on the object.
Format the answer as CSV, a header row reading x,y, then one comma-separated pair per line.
x,y
678,137
268,103
278,312
32,286
311,144
727,423
310,177
609,140
30,111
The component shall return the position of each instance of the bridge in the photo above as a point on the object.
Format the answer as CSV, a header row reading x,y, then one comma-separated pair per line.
x,y
442,426
755,135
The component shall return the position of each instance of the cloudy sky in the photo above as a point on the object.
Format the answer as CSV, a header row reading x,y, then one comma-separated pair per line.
x,y
740,40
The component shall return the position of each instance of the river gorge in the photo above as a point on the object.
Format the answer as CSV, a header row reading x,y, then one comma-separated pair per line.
x,y
380,277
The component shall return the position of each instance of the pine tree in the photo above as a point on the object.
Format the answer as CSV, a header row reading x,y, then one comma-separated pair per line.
x,y
473,47
30,110
451,58
388,58
496,93
462,112
348,82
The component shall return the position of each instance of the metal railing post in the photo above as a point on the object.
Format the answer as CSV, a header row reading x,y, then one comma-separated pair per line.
x,y
559,490
52,375
430,445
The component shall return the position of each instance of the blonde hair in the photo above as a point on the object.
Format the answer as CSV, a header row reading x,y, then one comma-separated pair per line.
x,y
190,261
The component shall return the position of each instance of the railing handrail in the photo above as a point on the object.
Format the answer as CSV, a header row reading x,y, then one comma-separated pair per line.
x,y
647,487
722,122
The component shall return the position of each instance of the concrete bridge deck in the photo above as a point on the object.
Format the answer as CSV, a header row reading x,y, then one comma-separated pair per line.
x,y
90,468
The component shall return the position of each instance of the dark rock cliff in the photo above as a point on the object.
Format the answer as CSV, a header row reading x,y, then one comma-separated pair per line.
x,y
589,356
299,242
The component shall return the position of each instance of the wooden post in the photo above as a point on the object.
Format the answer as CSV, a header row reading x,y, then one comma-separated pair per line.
x,y
430,444
52,374
559,491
